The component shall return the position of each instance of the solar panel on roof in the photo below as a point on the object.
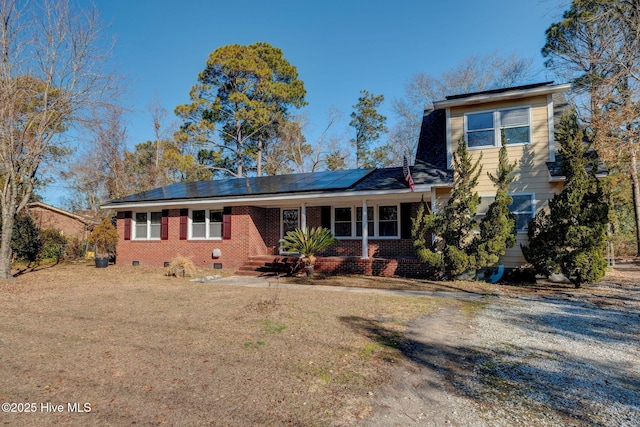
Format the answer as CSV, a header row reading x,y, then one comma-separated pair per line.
x,y
237,187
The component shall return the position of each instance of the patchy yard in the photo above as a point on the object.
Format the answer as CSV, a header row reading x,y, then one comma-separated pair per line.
x,y
145,349
141,348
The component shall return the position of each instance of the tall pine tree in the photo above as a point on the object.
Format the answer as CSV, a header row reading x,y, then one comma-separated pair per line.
x,y
570,238
455,250
498,227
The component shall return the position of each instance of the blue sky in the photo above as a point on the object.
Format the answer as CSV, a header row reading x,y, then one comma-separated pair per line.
x,y
339,47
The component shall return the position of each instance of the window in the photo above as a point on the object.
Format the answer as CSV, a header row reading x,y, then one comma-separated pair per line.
x,y
382,221
515,125
342,222
148,225
206,224
480,131
388,221
141,225
370,221
485,128
523,208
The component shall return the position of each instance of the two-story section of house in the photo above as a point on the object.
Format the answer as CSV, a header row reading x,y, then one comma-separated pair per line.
x,y
227,222
522,119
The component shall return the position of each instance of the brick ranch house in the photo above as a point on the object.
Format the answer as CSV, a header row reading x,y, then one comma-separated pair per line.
x,y
225,222
69,224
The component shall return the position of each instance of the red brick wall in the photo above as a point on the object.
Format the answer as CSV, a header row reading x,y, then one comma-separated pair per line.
x,y
404,267
273,230
255,231
70,227
248,231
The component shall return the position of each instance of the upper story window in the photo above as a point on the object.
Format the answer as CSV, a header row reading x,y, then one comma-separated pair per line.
x,y
487,128
206,224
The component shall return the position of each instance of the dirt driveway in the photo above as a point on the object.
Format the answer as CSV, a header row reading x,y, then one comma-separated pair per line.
x,y
569,358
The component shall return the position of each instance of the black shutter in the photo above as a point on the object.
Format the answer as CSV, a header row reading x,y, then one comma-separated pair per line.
x,y
405,220
164,225
127,225
226,223
184,223
325,216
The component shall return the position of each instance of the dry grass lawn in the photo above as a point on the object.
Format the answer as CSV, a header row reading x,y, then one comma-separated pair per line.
x,y
145,349
141,348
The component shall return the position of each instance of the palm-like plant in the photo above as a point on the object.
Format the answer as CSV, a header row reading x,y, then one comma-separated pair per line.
x,y
308,242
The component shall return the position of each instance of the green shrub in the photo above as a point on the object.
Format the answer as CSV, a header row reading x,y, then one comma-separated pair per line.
x,y
53,244
25,240
570,238
105,237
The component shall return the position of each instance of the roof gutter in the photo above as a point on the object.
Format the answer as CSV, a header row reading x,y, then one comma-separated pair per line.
x,y
502,96
421,188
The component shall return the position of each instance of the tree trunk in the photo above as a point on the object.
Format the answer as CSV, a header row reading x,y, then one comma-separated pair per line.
x,y
5,243
259,159
635,186
239,150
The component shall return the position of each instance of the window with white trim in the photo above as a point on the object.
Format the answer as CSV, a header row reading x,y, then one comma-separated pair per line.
x,y
371,225
147,225
206,224
487,128
388,221
382,221
342,222
522,208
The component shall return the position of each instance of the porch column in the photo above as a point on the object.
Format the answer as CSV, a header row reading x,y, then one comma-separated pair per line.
x,y
365,231
303,216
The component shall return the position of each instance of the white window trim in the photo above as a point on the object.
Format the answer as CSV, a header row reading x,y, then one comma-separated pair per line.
x,y
134,223
497,126
533,206
376,222
207,225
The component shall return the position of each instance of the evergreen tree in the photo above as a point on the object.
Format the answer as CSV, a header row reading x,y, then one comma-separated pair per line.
x,y
25,240
369,126
570,238
422,228
498,227
240,96
456,248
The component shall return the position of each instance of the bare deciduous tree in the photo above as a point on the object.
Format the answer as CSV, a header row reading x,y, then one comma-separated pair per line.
x,y
473,74
51,73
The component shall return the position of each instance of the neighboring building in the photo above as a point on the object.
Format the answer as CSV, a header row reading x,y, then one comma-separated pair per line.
x,y
69,224
244,217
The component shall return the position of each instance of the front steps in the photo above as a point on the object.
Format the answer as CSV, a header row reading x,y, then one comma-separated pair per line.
x,y
269,265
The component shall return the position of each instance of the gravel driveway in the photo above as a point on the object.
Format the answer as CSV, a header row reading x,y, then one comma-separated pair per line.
x,y
559,360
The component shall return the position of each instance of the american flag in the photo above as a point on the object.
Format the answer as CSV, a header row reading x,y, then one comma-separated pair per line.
x,y
407,172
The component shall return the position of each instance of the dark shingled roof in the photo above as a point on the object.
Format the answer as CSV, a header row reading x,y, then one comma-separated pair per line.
x,y
393,178
326,182
432,143
501,90
252,186
555,168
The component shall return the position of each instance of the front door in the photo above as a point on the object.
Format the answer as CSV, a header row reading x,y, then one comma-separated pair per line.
x,y
290,221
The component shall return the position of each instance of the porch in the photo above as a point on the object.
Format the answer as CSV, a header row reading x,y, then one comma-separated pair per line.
x,y
274,265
